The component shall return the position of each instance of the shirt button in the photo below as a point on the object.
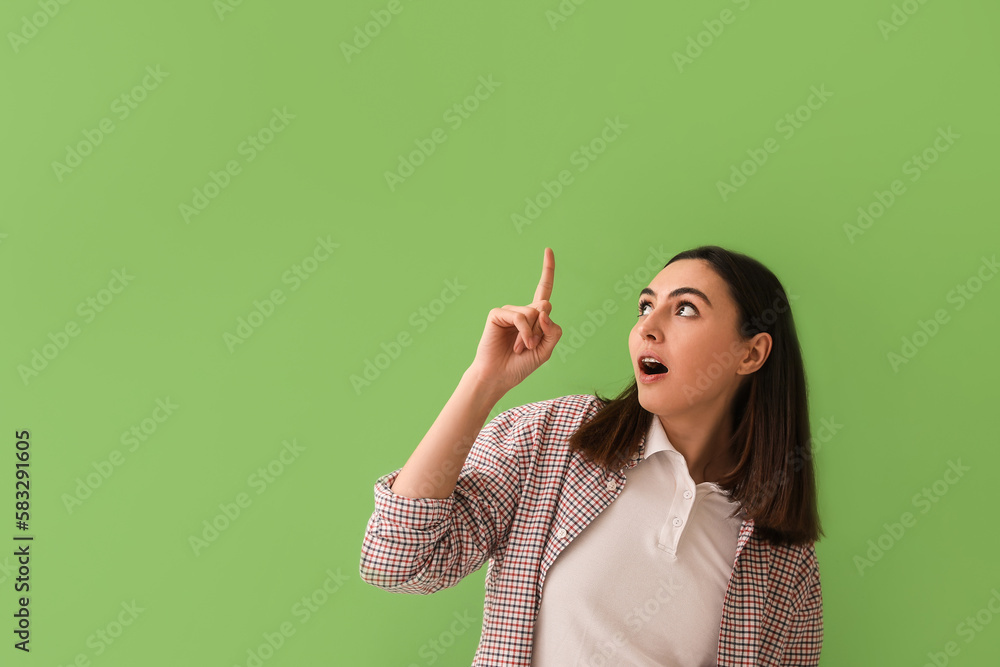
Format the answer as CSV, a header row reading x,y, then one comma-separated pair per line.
x,y
611,485
687,494
677,521
561,533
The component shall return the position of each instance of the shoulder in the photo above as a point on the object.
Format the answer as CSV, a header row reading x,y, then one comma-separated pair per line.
x,y
554,414
794,565
553,419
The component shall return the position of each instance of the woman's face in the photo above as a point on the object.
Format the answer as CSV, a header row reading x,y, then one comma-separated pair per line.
x,y
689,322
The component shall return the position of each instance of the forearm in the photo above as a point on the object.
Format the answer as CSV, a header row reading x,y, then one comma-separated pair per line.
x,y
434,466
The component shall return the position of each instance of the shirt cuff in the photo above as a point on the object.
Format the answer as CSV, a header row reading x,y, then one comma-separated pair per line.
x,y
410,513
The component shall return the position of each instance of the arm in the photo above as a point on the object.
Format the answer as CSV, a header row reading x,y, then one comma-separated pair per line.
x,y
805,632
465,488
451,506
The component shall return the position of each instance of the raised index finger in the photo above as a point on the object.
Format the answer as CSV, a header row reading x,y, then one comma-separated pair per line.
x,y
544,289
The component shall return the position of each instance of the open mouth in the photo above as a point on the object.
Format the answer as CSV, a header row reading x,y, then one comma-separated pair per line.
x,y
651,366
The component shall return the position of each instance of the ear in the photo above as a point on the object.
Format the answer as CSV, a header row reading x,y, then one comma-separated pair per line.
x,y
758,349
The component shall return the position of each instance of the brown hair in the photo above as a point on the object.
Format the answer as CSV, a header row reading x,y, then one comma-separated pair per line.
x,y
773,481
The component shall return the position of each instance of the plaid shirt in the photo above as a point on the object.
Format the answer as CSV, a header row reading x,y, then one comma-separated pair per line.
x,y
521,497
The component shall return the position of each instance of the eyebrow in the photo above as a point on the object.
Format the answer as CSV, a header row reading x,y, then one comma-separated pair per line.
x,y
677,292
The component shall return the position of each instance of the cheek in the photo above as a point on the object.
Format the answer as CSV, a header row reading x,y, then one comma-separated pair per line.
x,y
693,356
714,359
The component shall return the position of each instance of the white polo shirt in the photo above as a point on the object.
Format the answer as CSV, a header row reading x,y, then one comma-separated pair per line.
x,y
644,582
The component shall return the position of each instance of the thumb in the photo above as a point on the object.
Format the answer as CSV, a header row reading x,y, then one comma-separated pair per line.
x,y
549,328
538,338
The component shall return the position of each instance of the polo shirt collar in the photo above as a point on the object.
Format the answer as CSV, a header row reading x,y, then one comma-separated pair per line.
x,y
656,439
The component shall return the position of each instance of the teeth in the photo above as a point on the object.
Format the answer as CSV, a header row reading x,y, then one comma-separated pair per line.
x,y
652,364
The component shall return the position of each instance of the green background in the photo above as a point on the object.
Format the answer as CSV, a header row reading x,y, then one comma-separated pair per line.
x,y
652,192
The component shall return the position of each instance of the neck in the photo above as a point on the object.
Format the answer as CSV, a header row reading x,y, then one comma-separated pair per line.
x,y
706,451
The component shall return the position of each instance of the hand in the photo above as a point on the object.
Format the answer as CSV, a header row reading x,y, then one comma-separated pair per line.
x,y
519,339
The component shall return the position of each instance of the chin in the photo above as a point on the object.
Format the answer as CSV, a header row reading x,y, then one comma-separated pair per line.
x,y
658,400
648,403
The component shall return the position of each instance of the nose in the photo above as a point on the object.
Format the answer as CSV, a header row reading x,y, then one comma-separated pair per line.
x,y
648,330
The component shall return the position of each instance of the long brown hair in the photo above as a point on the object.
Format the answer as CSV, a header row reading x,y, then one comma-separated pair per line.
x,y
773,481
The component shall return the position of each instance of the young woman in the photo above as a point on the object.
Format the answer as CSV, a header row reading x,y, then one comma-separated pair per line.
x,y
673,524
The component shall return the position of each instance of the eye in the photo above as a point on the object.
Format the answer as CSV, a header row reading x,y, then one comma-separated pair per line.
x,y
645,302
689,304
